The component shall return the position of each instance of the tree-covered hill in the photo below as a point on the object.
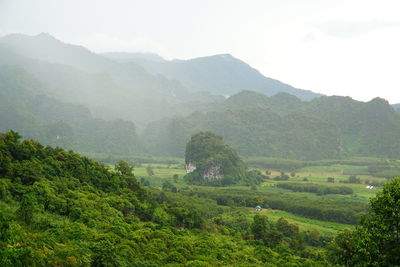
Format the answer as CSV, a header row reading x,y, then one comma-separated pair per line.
x,y
210,161
253,132
366,128
283,126
24,108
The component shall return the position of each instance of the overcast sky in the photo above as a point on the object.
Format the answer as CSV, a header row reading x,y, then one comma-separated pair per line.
x,y
342,47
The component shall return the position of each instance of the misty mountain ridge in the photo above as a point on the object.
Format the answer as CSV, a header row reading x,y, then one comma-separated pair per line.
x,y
126,57
110,89
97,103
24,108
221,74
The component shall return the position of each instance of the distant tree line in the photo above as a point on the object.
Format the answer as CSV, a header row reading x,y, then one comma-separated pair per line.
x,y
316,188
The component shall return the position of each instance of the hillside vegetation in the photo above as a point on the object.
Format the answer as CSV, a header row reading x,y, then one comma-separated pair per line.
x,y
255,125
61,209
25,108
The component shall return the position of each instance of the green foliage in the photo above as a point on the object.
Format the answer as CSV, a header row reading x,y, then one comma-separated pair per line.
x,y
343,211
25,106
376,240
324,128
273,234
175,177
353,180
252,132
282,177
150,170
207,151
123,168
72,211
316,188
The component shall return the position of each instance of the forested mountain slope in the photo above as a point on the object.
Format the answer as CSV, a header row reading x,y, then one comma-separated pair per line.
x,y
283,126
253,132
25,108
109,89
366,128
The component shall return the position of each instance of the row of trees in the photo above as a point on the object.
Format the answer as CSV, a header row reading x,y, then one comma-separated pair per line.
x,y
316,188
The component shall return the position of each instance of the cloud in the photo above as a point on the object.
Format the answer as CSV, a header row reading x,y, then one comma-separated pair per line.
x,y
349,29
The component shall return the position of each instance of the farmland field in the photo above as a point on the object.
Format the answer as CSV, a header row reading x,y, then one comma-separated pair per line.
x,y
311,175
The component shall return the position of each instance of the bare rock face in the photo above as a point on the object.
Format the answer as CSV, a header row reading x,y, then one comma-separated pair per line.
x,y
213,172
190,167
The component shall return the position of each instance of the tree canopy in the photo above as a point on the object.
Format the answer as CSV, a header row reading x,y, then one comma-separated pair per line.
x,y
376,240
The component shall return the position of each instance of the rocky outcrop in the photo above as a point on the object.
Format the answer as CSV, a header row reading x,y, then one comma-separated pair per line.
x,y
210,173
190,168
213,172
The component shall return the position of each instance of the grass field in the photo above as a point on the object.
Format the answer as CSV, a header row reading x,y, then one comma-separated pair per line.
x,y
305,224
160,171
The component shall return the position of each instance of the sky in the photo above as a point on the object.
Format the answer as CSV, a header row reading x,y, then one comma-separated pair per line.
x,y
340,47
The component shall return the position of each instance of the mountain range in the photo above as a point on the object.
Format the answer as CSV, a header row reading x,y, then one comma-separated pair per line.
x,y
286,127
220,74
139,103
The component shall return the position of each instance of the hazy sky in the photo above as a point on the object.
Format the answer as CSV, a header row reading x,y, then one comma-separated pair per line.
x,y
342,47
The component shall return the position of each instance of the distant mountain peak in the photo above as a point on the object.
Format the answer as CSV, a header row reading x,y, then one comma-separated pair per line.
x,y
125,57
225,56
47,48
45,35
379,100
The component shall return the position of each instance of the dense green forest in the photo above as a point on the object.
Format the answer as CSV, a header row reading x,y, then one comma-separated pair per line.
x,y
59,208
324,128
62,209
